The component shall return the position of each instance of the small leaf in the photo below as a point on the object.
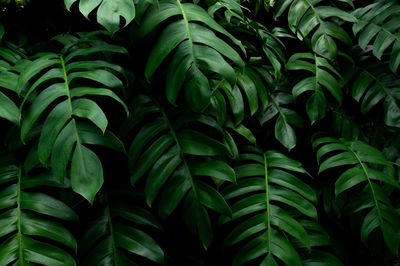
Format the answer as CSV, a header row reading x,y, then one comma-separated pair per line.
x,y
88,109
86,172
110,11
8,109
285,133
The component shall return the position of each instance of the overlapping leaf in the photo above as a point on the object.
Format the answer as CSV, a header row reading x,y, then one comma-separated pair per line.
x,y
249,91
324,76
109,12
378,25
113,232
269,43
271,199
197,51
305,16
9,57
374,84
372,199
232,9
319,241
175,159
31,222
276,105
62,83
285,118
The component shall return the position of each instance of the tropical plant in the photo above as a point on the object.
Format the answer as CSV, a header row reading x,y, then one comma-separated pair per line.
x,y
214,132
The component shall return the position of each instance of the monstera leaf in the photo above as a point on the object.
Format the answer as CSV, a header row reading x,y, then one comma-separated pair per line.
x,y
32,222
267,202
196,49
112,232
379,21
304,16
175,159
324,76
249,90
109,12
9,58
374,85
61,84
372,198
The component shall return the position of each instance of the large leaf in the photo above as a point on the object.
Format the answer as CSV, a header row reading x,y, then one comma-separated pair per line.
x,y
306,16
271,199
175,160
26,215
113,230
372,198
378,25
196,51
63,133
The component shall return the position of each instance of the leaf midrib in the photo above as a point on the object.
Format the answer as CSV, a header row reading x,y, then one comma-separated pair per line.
x,y
187,26
379,82
111,228
181,154
267,202
369,183
19,235
78,141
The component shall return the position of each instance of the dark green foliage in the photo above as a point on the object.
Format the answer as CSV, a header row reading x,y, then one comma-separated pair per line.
x,y
215,132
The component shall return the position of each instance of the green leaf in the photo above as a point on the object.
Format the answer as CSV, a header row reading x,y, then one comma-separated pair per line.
x,y
30,226
62,149
51,128
305,16
113,230
83,91
195,143
86,172
8,109
381,213
324,75
196,51
45,254
109,13
377,24
42,101
285,133
175,157
213,168
209,197
262,199
88,109
45,204
138,242
35,226
374,85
